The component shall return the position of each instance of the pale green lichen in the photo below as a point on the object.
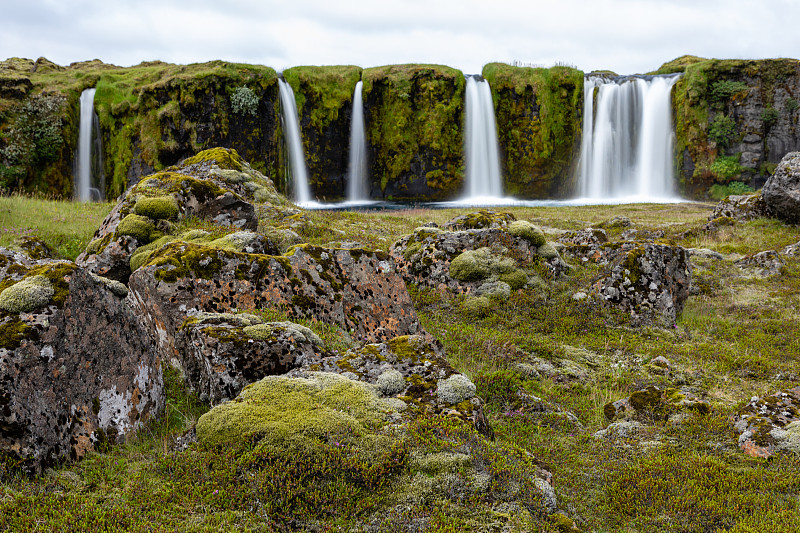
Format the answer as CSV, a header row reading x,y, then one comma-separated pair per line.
x,y
236,242
26,295
157,208
436,463
475,265
278,409
270,329
498,290
479,306
527,231
391,382
114,286
455,389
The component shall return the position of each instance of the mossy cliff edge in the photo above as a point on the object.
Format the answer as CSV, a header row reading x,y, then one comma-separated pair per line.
x,y
734,120
538,113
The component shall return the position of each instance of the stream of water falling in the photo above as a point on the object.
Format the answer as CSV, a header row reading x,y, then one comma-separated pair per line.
x,y
627,145
483,179
357,174
291,135
83,170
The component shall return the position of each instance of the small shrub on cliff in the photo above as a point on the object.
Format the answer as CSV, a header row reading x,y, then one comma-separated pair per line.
x,y
722,130
725,168
722,90
769,116
244,101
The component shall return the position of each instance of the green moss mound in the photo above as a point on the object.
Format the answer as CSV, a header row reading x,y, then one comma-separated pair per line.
x,y
471,265
277,409
158,208
139,227
222,157
26,295
529,232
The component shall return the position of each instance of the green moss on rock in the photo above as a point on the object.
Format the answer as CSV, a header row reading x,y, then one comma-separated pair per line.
x,y
527,231
268,330
222,157
12,332
139,227
32,292
278,409
516,279
157,208
471,265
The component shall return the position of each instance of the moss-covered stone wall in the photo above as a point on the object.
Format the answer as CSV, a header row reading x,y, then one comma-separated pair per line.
x,y
324,98
734,120
414,121
538,113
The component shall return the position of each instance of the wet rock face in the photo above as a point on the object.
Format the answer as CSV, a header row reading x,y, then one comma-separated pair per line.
x,y
782,190
76,373
649,281
222,352
770,424
215,185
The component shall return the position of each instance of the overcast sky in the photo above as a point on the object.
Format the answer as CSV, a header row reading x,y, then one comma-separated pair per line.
x,y
626,36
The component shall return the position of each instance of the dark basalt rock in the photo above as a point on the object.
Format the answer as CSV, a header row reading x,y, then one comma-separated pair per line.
x,y
648,281
77,369
782,190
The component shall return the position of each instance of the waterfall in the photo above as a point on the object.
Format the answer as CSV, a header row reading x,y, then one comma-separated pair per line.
x,y
627,144
88,174
481,152
357,185
291,135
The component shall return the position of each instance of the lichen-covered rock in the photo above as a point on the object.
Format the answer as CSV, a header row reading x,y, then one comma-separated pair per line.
x,y
463,260
284,410
33,247
648,281
654,403
221,353
77,370
585,237
355,289
741,208
782,191
770,424
762,264
215,185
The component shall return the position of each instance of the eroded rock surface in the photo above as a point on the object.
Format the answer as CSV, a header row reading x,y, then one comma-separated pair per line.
x,y
77,370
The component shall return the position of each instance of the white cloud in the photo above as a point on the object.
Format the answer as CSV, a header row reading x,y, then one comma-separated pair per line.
x,y
622,35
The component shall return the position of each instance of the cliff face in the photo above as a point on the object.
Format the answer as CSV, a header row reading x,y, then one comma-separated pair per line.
x,y
414,121
538,113
324,98
734,120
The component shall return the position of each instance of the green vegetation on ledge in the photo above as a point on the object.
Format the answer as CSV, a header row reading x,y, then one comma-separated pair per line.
x,y
538,113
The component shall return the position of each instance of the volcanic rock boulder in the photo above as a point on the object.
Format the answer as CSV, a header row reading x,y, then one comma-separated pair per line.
x,y
654,403
354,289
782,190
741,208
770,424
215,185
222,352
77,370
649,281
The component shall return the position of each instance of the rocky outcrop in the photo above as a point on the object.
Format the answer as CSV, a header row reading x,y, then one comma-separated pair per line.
x,y
735,120
476,261
77,369
648,281
770,424
782,190
216,185
740,208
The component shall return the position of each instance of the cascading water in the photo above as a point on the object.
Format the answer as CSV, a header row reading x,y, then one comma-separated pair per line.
x,y
291,135
627,145
357,189
88,175
481,151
